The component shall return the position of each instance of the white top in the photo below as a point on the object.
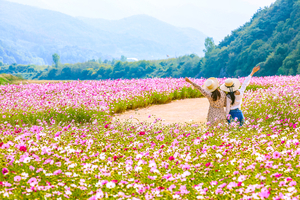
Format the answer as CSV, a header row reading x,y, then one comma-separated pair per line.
x,y
238,98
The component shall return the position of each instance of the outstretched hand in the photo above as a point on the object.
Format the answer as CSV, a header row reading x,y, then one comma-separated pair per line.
x,y
255,69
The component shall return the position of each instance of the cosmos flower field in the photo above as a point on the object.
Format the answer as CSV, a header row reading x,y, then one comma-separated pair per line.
x,y
61,141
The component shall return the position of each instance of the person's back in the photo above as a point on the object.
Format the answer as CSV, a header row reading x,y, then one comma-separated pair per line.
x,y
235,96
216,98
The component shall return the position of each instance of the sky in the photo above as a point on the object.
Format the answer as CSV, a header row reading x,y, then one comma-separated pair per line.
x,y
215,18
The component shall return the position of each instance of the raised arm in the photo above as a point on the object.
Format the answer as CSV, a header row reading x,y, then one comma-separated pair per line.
x,y
204,92
247,80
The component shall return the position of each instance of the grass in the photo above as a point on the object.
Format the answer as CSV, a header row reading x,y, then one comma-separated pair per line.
x,y
154,98
256,87
9,79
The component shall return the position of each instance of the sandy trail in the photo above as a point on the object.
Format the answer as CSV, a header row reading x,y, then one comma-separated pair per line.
x,y
178,111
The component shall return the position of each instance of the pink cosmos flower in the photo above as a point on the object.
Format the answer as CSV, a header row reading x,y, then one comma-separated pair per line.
x,y
57,134
39,170
183,190
214,183
292,183
242,178
32,180
235,172
219,191
276,155
152,177
17,178
172,187
57,172
231,185
264,193
186,167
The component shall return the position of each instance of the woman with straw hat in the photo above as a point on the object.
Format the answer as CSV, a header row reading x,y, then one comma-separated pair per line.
x,y
235,96
216,98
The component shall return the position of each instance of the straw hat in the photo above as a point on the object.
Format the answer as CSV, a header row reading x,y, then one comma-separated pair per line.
x,y
231,85
211,84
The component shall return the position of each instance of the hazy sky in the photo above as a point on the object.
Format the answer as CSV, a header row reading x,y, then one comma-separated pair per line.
x,y
215,18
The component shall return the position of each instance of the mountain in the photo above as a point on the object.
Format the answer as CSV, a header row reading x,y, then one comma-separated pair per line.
x,y
270,39
32,35
180,40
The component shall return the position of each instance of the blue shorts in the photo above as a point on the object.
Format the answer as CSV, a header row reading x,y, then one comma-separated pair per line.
x,y
236,115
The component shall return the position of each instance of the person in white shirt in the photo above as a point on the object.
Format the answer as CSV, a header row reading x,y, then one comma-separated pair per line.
x,y
235,96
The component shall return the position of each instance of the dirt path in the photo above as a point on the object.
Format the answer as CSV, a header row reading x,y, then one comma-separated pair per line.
x,y
178,111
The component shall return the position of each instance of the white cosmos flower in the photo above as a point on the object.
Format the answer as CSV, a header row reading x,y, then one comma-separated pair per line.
x,y
26,160
128,168
137,169
102,156
72,166
291,189
219,155
68,192
98,184
232,162
139,156
25,175
186,173
75,175
269,149
110,185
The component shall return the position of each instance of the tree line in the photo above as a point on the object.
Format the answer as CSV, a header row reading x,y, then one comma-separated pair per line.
x,y
187,65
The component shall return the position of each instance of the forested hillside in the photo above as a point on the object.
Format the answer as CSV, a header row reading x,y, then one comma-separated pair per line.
x,y
271,38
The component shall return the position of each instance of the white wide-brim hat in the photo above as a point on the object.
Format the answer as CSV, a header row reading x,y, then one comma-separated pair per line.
x,y
231,85
211,84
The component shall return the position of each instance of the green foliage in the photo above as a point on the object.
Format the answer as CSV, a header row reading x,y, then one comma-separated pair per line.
x,y
256,87
123,58
3,81
56,59
270,39
183,66
209,45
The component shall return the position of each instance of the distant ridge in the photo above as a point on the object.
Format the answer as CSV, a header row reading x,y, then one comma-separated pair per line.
x,y
30,35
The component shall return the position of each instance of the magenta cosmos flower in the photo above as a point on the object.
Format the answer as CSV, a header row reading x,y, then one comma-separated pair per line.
x,y
4,171
23,148
171,158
